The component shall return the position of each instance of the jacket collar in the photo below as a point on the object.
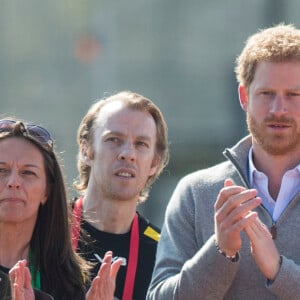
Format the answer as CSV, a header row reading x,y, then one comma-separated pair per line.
x,y
238,155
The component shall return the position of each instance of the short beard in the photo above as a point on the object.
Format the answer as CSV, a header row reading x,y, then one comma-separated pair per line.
x,y
276,144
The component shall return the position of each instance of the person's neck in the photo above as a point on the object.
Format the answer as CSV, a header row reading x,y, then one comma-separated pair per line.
x,y
14,245
109,215
274,166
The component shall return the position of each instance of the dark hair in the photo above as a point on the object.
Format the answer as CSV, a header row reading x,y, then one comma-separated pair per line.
x,y
88,126
62,270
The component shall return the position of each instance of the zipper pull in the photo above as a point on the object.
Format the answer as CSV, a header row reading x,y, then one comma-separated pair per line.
x,y
273,231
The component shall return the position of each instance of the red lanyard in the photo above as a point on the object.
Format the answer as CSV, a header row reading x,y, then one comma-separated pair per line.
x,y
133,249
75,224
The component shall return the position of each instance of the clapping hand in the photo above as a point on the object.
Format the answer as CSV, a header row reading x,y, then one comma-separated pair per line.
x,y
104,284
20,279
233,212
263,249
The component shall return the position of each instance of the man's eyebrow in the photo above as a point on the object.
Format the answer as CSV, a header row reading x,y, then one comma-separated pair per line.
x,y
144,137
112,132
118,133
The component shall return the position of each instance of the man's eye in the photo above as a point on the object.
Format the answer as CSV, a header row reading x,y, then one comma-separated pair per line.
x,y
3,170
141,143
114,141
267,93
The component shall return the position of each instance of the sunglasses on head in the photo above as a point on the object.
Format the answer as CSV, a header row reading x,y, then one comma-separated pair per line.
x,y
37,132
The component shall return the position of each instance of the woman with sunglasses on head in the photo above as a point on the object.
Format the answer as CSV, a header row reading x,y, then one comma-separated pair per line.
x,y
34,230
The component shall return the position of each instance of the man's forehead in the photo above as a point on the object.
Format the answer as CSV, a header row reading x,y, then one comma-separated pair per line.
x,y
110,109
119,110
113,106
116,116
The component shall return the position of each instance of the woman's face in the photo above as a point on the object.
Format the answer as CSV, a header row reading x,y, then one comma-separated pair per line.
x,y
22,181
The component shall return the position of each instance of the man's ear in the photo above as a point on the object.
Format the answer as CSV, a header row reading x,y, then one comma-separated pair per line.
x,y
243,96
155,165
85,152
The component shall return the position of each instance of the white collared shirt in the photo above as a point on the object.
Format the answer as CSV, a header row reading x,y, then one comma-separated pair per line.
x,y
290,185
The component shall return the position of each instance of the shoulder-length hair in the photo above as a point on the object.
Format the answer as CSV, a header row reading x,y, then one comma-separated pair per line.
x,y
62,271
89,125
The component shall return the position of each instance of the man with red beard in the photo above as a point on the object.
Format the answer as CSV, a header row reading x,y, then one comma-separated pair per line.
x,y
232,231
123,148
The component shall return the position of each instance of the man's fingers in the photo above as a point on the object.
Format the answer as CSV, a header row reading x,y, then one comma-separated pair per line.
x,y
115,268
257,229
238,206
228,182
229,193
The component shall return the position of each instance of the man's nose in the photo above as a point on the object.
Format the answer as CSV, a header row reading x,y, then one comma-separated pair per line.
x,y
127,152
278,105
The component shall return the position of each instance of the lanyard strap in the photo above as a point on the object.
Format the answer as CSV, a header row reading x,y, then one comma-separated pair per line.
x,y
75,224
132,260
35,277
133,248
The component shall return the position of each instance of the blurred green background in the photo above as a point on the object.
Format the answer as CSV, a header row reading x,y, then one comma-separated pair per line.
x,y
58,57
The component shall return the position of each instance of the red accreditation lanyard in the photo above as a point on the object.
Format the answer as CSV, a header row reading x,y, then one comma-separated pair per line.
x,y
133,248
75,223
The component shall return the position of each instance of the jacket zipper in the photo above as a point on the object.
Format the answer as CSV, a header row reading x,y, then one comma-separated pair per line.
x,y
229,156
273,230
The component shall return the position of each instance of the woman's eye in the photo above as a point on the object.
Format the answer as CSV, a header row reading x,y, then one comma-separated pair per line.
x,y
28,172
3,170
294,94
